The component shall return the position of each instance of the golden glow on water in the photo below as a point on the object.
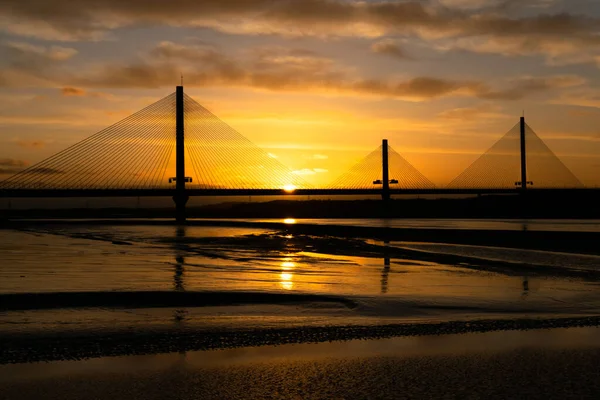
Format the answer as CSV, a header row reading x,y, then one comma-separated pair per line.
x,y
289,188
287,265
289,221
286,278
286,281
75,264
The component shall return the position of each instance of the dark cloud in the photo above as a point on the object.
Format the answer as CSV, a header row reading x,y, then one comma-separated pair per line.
x,y
583,113
24,54
487,111
31,144
390,48
525,87
420,87
89,19
276,69
71,91
9,162
269,70
293,70
25,60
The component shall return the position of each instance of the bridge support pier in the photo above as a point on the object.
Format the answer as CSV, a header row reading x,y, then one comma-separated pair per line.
x,y
385,191
180,202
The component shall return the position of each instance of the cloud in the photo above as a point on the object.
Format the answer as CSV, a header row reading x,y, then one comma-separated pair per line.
x,y
556,50
390,48
485,111
523,87
499,5
578,113
28,51
290,78
434,19
320,157
30,65
580,96
9,166
71,91
471,4
67,20
31,144
9,162
278,69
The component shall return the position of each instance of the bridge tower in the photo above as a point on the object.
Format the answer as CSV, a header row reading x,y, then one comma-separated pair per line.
x,y
181,198
523,157
385,191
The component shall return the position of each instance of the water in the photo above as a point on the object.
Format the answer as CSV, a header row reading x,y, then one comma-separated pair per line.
x,y
556,225
387,282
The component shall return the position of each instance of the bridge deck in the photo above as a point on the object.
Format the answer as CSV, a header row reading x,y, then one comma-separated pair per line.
x,y
47,193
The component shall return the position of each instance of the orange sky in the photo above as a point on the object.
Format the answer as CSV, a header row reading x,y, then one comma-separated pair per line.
x,y
315,83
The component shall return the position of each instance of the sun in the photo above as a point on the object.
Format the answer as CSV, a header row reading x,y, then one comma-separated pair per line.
x,y
289,188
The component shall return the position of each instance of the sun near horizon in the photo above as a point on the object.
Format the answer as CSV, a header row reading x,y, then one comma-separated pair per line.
x,y
442,80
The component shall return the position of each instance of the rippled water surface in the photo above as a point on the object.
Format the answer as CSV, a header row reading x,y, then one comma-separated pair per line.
x,y
572,225
395,281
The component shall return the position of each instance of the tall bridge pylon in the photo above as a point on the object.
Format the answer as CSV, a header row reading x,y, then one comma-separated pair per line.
x,y
181,198
175,145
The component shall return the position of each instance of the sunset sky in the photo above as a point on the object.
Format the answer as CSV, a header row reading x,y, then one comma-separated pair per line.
x,y
316,83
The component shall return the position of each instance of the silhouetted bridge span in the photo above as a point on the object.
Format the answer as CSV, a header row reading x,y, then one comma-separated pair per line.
x,y
33,193
134,158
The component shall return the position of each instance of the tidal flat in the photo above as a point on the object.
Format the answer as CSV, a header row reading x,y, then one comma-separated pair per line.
x,y
93,290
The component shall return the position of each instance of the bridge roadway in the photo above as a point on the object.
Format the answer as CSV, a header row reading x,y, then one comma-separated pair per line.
x,y
48,193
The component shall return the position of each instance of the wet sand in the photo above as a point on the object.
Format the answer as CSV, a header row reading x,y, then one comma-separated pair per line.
x,y
159,312
549,364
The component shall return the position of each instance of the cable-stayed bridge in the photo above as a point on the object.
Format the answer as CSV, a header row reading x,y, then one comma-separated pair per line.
x,y
176,147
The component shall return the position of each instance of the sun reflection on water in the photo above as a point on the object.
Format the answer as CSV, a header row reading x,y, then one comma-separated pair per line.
x,y
286,278
287,265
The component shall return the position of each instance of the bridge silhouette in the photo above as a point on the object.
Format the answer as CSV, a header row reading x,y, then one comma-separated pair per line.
x,y
135,157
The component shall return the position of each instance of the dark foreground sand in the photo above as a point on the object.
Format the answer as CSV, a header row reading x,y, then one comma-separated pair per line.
x,y
555,374
549,364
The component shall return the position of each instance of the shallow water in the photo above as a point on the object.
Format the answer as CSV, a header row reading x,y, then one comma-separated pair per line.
x,y
389,283
556,225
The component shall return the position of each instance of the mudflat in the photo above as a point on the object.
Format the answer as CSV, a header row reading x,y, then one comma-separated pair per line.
x,y
549,364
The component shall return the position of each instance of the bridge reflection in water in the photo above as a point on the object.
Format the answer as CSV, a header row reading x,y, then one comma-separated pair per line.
x,y
179,271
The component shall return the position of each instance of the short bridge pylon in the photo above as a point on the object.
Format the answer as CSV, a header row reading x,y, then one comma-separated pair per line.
x,y
519,160
383,169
